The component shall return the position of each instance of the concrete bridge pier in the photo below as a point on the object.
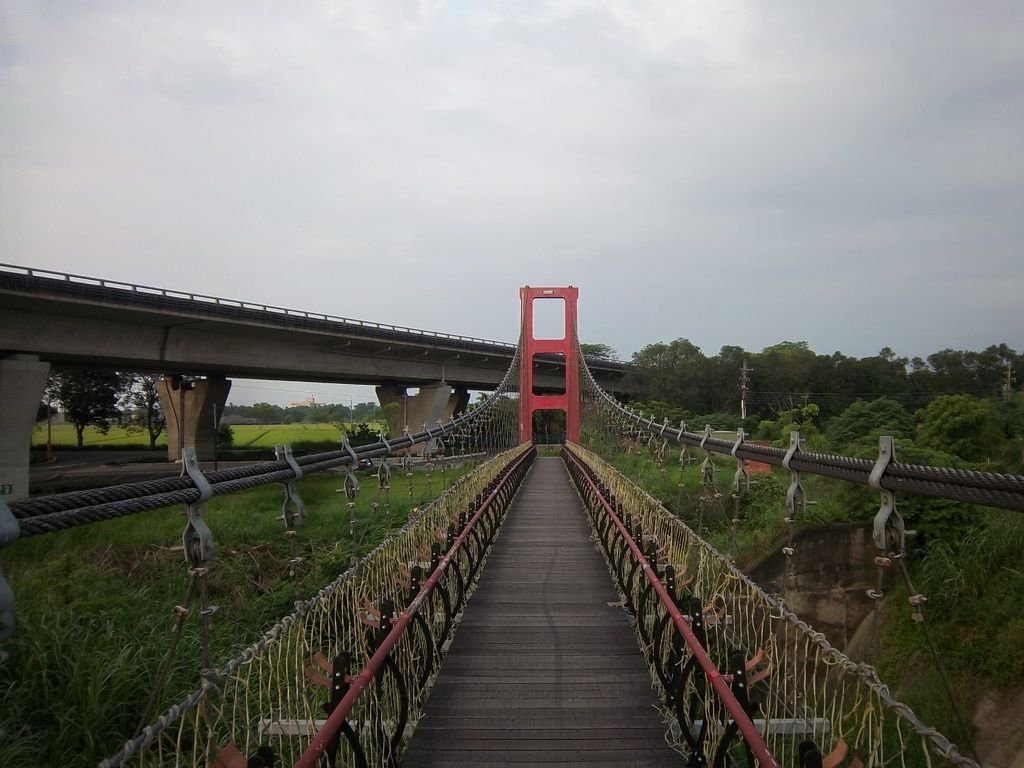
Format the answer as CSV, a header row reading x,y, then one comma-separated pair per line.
x,y
434,403
22,380
196,399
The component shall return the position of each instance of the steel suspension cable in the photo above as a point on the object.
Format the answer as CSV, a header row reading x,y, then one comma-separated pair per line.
x,y
47,514
992,489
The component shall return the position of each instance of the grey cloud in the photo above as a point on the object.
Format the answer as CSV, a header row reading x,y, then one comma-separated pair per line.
x,y
846,173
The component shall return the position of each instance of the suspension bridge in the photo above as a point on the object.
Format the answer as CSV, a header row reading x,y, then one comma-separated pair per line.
x,y
544,610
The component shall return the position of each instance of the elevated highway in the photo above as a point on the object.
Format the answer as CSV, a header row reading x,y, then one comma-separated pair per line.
x,y
72,319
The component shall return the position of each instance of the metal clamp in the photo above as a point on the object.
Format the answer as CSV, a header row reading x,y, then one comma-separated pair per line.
x,y
384,473
384,440
796,497
707,467
740,480
9,532
197,538
291,493
704,439
889,532
682,429
346,446
886,453
794,447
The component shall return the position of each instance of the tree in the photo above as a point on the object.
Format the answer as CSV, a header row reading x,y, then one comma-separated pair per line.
x,y
671,373
317,416
265,413
141,396
1009,416
225,436
792,420
597,351
961,425
89,397
865,420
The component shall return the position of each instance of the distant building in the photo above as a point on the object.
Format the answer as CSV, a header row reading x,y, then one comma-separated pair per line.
x,y
309,402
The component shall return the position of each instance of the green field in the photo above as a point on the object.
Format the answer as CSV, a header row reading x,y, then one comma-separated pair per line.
x,y
245,436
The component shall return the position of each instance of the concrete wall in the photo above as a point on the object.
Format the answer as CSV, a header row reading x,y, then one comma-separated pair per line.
x,y
833,568
432,405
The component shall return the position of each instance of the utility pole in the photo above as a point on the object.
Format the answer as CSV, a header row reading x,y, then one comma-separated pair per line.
x,y
744,383
216,435
1008,381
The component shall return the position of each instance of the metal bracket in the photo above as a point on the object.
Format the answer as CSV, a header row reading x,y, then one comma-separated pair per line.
x,y
886,453
384,440
707,467
197,538
9,532
794,447
351,481
682,428
347,447
741,477
889,532
291,493
384,473
796,497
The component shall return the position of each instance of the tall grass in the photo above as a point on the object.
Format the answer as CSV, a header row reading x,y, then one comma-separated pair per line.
x,y
94,608
975,614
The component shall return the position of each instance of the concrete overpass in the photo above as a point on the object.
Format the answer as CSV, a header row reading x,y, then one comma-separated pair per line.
x,y
56,318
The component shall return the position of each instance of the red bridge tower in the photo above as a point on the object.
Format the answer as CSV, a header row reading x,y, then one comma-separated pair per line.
x,y
530,400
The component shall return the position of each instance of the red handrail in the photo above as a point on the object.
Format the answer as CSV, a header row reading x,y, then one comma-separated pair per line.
x,y
754,740
332,727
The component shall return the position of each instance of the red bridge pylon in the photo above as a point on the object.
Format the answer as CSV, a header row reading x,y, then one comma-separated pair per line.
x,y
530,401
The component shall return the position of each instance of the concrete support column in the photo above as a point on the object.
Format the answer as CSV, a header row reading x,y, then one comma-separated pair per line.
x,y
197,400
22,381
434,403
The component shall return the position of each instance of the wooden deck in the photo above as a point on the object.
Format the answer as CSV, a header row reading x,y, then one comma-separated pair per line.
x,y
544,669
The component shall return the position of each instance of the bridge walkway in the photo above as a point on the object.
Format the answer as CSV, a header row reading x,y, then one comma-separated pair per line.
x,y
544,669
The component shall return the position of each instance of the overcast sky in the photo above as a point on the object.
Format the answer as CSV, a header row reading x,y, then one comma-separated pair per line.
x,y
851,174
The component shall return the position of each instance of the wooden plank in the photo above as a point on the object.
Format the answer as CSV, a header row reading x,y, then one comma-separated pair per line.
x,y
544,669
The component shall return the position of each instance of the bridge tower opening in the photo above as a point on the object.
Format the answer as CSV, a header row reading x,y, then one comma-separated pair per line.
x,y
540,359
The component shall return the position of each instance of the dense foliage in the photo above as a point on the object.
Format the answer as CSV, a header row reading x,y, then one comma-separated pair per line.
x,y
789,374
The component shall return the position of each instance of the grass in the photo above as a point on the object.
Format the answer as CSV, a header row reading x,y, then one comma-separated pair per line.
x,y
269,435
975,615
94,607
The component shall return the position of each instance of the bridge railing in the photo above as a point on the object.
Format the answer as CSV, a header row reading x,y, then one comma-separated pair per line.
x,y
349,669
657,607
797,693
